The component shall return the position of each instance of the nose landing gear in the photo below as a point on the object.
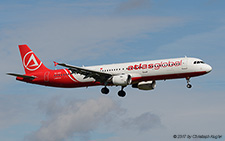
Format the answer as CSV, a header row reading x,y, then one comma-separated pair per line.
x,y
189,85
188,82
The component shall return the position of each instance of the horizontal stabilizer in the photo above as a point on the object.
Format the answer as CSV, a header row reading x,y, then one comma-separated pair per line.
x,y
23,76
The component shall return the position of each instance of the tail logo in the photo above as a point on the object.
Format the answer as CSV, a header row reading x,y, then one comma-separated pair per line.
x,y
31,62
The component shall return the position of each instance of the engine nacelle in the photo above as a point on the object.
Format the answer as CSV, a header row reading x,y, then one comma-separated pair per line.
x,y
122,80
146,85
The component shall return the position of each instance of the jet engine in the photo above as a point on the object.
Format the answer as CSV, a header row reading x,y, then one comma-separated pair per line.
x,y
122,80
145,85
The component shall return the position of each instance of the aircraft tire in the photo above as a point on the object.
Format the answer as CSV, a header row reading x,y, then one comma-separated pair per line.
x,y
122,93
189,85
105,90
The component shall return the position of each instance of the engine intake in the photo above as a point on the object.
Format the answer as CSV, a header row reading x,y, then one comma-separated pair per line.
x,y
122,80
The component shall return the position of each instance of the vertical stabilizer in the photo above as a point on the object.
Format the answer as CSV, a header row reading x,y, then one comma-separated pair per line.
x,y
30,61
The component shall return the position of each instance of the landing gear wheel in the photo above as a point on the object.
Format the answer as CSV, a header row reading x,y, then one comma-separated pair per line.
x,y
188,82
105,90
121,93
189,85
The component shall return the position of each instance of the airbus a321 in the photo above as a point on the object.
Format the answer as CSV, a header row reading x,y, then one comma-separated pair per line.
x,y
142,75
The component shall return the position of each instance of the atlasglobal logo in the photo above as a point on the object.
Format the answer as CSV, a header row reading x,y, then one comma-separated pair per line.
x,y
30,62
155,66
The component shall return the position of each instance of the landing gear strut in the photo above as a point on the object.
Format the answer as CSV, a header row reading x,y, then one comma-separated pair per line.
x,y
105,90
122,93
188,82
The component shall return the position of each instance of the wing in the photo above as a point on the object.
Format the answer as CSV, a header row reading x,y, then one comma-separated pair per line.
x,y
97,75
23,76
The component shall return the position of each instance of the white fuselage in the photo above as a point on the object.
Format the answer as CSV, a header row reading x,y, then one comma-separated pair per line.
x,y
153,70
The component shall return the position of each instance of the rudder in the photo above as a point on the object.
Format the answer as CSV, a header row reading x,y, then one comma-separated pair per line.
x,y
30,61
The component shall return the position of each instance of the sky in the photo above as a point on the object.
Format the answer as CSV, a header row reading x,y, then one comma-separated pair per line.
x,y
85,32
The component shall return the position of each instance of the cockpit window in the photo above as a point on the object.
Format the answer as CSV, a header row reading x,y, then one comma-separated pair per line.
x,y
199,62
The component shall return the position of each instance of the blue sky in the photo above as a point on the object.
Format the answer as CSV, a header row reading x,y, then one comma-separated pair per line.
x,y
103,32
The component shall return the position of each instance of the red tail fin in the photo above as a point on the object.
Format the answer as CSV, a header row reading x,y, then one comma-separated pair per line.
x,y
30,61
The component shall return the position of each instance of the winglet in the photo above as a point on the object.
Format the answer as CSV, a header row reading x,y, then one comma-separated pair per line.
x,y
55,63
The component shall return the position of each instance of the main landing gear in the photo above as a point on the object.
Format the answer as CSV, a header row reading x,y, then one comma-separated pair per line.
x,y
188,82
121,93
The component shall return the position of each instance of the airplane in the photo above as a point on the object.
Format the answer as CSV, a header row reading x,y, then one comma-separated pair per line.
x,y
142,75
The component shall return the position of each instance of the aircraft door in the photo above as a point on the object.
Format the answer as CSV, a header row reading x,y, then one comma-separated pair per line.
x,y
46,76
185,63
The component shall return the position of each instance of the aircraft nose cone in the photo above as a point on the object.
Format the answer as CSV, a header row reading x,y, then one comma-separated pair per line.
x,y
208,68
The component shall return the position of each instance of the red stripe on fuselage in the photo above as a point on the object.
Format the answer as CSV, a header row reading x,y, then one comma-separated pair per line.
x,y
167,76
70,75
66,82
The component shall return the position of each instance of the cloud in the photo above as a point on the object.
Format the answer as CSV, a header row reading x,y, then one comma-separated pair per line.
x,y
71,118
144,122
131,5
74,118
